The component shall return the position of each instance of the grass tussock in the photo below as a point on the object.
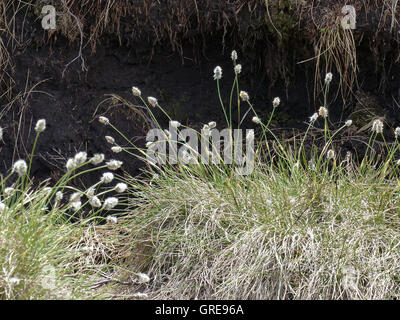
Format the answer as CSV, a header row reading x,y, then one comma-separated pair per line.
x,y
275,235
304,223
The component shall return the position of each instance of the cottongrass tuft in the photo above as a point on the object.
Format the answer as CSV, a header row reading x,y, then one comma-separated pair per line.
x,y
104,120
1,133
244,96
20,167
76,205
212,124
377,126
256,120
397,132
95,202
110,139
136,92
217,73
323,112
314,117
348,123
114,164
175,124
107,177
116,149
75,197
90,192
40,125
97,158
238,68
70,165
110,203
152,101
121,187
59,196
276,102
80,158
234,55
328,78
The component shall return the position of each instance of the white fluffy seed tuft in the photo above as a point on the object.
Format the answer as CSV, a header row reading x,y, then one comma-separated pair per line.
x,y
40,125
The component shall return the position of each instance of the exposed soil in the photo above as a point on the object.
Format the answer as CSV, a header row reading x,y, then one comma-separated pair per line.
x,y
181,80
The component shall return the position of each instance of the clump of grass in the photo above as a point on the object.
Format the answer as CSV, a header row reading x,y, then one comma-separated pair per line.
x,y
305,224
275,235
49,237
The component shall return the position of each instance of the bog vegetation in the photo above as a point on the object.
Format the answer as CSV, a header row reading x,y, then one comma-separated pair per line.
x,y
309,222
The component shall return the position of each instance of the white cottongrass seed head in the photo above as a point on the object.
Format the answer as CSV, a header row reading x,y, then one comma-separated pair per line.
x,y
114,164
75,197
97,158
217,73
116,149
212,124
104,120
152,101
276,102
256,120
1,133
328,78
244,96
121,187
110,203
59,196
175,124
110,139
136,92
397,132
314,117
323,112
70,165
76,205
234,55
348,123
80,158
20,167
238,68
107,177
90,192
95,202
40,125
377,126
